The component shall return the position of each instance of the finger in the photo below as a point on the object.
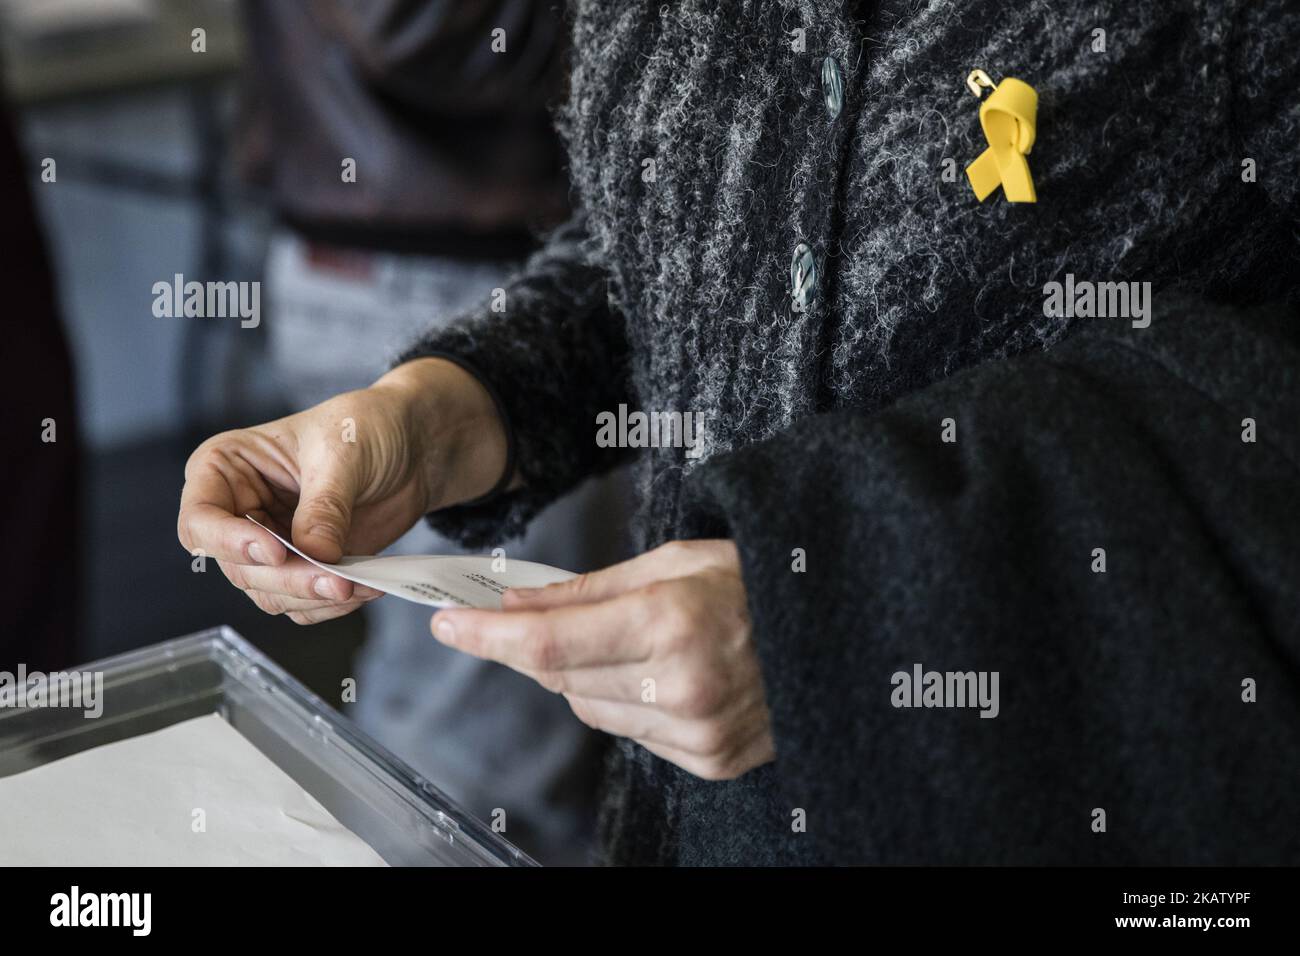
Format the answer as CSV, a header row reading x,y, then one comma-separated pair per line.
x,y
740,758
711,750
324,513
702,767
207,523
708,768
319,615
623,719
295,578
282,604
630,683
584,635
675,559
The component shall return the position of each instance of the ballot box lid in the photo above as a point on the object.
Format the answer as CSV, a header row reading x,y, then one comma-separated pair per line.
x,y
404,817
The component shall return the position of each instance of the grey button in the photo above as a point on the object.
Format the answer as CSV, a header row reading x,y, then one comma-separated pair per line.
x,y
803,277
832,86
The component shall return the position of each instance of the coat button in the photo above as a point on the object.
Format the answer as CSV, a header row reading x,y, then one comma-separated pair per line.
x,y
832,86
803,277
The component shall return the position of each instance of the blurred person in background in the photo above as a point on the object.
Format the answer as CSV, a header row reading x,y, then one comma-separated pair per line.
x,y
411,161
39,480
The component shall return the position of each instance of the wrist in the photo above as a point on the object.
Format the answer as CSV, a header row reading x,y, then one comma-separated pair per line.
x,y
457,436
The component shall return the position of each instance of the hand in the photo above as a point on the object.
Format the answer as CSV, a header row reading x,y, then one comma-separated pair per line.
x,y
657,649
348,476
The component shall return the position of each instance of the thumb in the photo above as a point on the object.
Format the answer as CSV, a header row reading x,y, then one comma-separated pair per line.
x,y
324,514
664,562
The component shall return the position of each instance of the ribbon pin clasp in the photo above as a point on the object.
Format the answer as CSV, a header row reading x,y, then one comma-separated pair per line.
x,y
1008,117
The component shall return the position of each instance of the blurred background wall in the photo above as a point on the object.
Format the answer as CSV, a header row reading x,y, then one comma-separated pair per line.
x,y
138,124
176,141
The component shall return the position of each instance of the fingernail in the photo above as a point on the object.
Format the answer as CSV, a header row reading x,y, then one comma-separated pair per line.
x,y
325,588
443,630
365,593
257,554
524,592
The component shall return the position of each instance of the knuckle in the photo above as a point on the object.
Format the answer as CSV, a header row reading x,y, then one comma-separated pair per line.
x,y
674,552
200,455
677,621
709,739
583,711
659,596
642,609
336,454
697,696
234,574
718,769
269,603
183,533
328,502
553,681
213,450
580,587
303,586
544,652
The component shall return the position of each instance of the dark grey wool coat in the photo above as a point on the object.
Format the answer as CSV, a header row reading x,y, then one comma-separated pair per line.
x,y
1120,691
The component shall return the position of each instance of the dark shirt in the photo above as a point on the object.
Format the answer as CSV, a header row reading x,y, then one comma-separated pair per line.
x,y
454,146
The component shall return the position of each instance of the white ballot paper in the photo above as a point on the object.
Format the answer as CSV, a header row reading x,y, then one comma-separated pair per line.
x,y
447,581
135,802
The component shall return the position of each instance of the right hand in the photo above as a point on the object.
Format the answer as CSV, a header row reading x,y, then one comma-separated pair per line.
x,y
349,476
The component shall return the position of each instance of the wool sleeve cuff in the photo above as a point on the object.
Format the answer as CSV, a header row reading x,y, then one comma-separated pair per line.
x,y
1051,543
553,354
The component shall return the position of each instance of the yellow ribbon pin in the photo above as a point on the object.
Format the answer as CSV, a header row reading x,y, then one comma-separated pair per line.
x,y
1007,118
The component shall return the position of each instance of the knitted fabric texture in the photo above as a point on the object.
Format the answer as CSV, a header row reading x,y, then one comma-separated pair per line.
x,y
702,154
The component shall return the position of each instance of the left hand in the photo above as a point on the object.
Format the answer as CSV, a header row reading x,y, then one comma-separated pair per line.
x,y
657,649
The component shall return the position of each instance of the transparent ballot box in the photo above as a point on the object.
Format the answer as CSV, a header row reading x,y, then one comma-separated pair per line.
x,y
402,816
